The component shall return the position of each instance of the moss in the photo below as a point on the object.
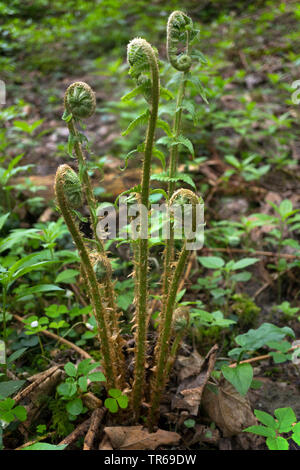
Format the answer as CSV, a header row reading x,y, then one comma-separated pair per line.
x,y
246,310
60,419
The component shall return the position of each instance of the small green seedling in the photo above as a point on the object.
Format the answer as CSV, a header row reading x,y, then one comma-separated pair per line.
x,y
76,384
9,412
189,423
225,273
117,400
277,431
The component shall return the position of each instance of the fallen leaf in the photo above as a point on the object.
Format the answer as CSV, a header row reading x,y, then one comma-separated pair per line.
x,y
229,410
189,393
138,438
204,433
189,365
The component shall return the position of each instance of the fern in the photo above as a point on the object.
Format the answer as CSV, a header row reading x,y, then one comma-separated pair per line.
x,y
141,120
179,177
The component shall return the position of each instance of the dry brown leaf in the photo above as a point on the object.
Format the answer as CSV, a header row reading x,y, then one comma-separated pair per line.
x,y
229,410
204,433
189,392
189,365
138,438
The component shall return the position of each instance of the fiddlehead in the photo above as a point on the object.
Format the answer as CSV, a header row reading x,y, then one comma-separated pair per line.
x,y
72,188
142,58
162,350
107,346
80,103
80,100
178,31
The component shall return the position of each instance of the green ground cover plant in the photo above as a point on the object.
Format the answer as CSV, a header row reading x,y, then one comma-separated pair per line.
x,y
126,320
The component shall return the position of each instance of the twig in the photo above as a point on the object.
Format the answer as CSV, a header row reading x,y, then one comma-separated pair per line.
x,y
187,271
40,379
78,294
96,419
80,351
261,358
257,253
35,441
79,431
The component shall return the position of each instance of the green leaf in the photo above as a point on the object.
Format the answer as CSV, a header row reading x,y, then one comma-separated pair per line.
x,y
3,219
261,431
160,155
278,357
14,356
20,413
75,407
179,177
141,120
165,126
97,377
67,389
266,418
111,404
255,339
240,376
82,382
285,208
244,263
233,161
186,179
286,417
37,289
115,393
211,262
45,446
296,433
67,276
70,369
85,366
122,401
189,423
199,87
282,346
277,443
131,94
185,142
166,94
10,387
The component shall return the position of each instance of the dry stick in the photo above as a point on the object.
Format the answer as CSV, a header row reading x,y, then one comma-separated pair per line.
x,y
39,380
96,419
258,253
80,351
78,432
78,294
261,358
187,271
35,441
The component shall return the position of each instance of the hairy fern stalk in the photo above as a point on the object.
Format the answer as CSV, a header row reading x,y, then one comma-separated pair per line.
x,y
75,190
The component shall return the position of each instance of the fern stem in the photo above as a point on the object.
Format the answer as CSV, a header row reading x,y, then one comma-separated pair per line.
x,y
99,310
164,339
142,269
108,286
